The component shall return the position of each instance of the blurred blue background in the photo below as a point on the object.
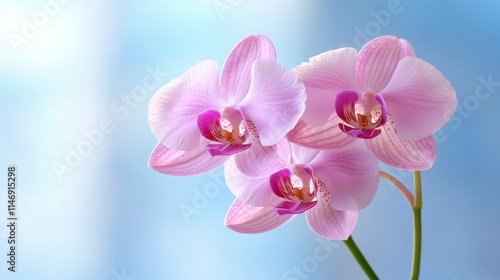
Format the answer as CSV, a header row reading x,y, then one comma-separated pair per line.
x,y
73,116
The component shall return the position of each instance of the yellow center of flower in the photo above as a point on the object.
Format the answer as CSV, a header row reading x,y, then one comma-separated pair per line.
x,y
363,120
230,135
299,193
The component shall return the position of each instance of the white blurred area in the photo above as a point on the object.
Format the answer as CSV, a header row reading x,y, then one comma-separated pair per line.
x,y
52,86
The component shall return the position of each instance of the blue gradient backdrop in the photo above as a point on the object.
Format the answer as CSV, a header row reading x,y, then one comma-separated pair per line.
x,y
70,69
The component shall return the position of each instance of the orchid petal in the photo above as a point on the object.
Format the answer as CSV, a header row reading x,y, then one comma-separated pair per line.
x,y
245,218
174,108
183,163
351,175
377,61
260,160
328,222
275,101
310,171
253,191
383,109
280,181
358,133
303,155
419,99
292,207
345,103
406,49
325,137
235,77
226,149
209,124
325,76
407,155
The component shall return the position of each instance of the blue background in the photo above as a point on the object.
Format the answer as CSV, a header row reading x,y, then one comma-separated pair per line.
x,y
108,216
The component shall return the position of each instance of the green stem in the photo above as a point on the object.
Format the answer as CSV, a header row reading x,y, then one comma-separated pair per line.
x,y
360,258
407,194
417,226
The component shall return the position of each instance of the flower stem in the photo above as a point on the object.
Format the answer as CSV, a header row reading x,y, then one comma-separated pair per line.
x,y
360,258
407,194
417,225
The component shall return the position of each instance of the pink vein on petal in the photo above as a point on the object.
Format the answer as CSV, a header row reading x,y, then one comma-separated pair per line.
x,y
183,163
235,77
328,222
245,218
407,155
376,63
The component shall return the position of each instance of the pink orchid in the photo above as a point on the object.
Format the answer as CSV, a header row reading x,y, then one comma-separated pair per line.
x,y
329,186
200,121
383,94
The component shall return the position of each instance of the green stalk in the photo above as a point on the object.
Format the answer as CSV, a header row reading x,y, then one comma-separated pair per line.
x,y
417,226
407,194
360,258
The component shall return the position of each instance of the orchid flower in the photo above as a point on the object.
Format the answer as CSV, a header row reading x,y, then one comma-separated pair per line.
x,y
329,186
200,120
383,94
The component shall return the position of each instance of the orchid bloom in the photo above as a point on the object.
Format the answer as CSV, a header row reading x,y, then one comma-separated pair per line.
x,y
383,94
329,186
200,121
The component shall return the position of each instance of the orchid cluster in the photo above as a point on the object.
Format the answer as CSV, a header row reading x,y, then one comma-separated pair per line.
x,y
302,140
